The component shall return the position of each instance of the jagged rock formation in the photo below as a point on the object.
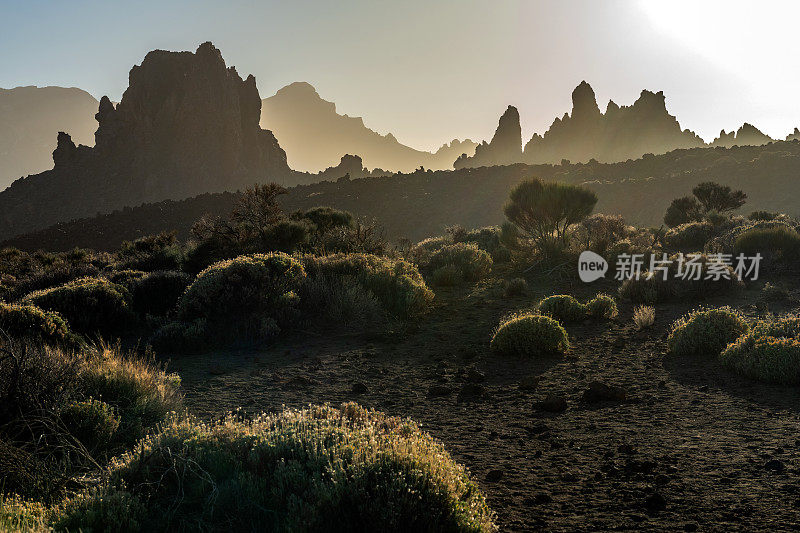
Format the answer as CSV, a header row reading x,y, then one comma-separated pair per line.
x,y
315,136
746,135
30,117
505,147
794,136
186,125
619,134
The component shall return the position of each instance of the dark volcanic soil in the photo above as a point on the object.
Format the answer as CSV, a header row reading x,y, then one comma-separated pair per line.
x,y
691,447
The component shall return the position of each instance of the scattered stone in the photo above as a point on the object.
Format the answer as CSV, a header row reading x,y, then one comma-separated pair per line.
x,y
439,390
494,476
359,388
600,392
472,390
655,503
475,376
776,465
529,383
553,403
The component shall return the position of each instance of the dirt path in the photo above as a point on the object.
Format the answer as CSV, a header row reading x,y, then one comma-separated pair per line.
x,y
692,447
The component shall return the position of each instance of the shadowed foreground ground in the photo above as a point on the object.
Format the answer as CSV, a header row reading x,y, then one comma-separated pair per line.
x,y
691,447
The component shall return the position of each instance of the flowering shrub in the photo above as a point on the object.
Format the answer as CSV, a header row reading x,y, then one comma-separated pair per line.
x,y
347,468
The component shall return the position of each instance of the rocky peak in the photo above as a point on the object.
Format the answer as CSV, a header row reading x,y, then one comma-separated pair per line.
x,y
584,102
187,124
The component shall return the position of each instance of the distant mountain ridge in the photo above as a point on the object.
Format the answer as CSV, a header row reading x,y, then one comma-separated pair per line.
x,y
619,134
187,124
30,118
315,136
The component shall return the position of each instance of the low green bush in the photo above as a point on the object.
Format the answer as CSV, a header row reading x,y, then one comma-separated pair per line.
x,y
690,236
92,422
529,335
447,276
64,414
158,292
563,307
249,297
515,287
705,332
779,242
154,252
90,305
316,469
473,263
769,352
29,323
602,306
396,284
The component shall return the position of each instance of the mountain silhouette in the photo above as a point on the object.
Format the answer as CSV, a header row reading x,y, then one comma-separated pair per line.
x,y
746,135
621,133
187,124
315,136
505,146
30,117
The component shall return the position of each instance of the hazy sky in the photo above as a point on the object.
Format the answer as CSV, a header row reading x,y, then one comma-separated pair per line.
x,y
430,71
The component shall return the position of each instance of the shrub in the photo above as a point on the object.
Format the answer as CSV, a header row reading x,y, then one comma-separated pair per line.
x,y
52,399
126,278
342,301
515,287
92,422
157,293
542,212
28,322
90,305
141,394
326,218
251,296
689,236
602,306
705,332
154,252
762,216
563,307
774,292
397,285
473,263
780,242
769,352
682,211
644,316
487,239
600,231
183,337
529,335
447,276
317,469
647,290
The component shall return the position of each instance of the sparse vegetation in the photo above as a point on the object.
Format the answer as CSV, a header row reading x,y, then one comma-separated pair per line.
x,y
644,316
529,335
563,307
769,352
705,332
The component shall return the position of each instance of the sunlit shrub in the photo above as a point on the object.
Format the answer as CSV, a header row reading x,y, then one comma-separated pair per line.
x,y
251,296
447,276
689,236
769,352
779,242
644,316
473,263
515,287
602,306
89,305
317,469
705,332
563,307
154,252
529,335
396,284
91,421
29,323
